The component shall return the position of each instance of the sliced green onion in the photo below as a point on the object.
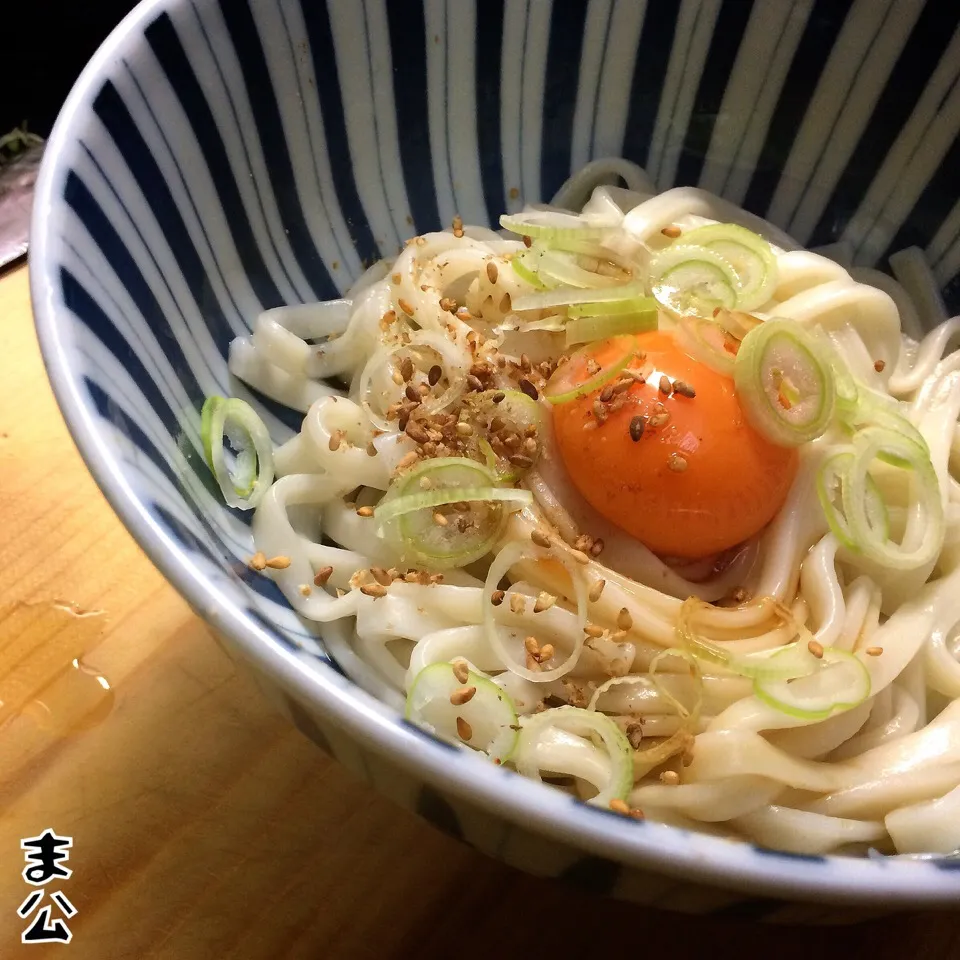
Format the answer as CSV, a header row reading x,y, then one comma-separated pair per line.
x,y
786,388
549,225
410,524
870,538
517,412
590,329
489,716
561,386
566,296
860,519
578,743
523,269
840,682
606,308
876,410
412,502
244,483
564,269
750,255
830,479
789,662
693,281
508,556
494,462
708,342
737,323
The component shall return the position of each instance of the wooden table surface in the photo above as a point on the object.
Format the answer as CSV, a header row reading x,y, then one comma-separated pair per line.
x,y
203,825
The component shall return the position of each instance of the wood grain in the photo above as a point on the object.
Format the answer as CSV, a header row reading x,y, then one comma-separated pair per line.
x,y
204,826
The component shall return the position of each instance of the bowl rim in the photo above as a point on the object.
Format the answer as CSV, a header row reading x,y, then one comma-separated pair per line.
x,y
674,852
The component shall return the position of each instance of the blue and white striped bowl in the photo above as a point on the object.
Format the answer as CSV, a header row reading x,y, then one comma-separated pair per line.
x,y
217,158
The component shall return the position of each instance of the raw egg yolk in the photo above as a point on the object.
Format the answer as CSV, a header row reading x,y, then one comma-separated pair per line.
x,y
697,479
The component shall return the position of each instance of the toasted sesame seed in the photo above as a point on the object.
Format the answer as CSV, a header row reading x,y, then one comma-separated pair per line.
x,y
408,460
539,538
672,232
677,463
518,603
624,620
579,556
879,365
527,241
816,649
381,576
464,730
464,429
405,307
375,590
544,602
670,777
636,428
305,589
532,662
464,695
618,806
448,304
278,563
527,387
658,420
873,651
492,271
596,590
496,598
546,652
461,670
593,630
406,368
258,561
684,389
606,394
531,645
666,387
397,377
365,512
322,576
371,449
457,226
336,438
439,519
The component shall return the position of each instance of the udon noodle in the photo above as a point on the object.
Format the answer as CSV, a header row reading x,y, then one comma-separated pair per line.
x,y
703,749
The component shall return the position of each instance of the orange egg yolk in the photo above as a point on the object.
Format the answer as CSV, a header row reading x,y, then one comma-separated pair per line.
x,y
698,480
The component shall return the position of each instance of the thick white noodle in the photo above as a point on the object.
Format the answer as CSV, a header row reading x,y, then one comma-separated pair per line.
x,y
885,772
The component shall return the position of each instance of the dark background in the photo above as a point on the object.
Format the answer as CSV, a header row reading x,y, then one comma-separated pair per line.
x,y
42,51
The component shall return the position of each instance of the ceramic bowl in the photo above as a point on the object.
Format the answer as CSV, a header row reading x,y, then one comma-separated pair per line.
x,y
217,158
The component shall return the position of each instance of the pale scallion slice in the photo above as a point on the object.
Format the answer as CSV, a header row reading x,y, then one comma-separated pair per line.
x,y
409,515
569,382
475,711
840,682
693,281
748,253
551,225
784,385
578,743
591,329
244,478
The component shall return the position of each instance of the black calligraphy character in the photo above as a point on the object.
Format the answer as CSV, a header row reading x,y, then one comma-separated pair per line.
x,y
43,862
42,930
